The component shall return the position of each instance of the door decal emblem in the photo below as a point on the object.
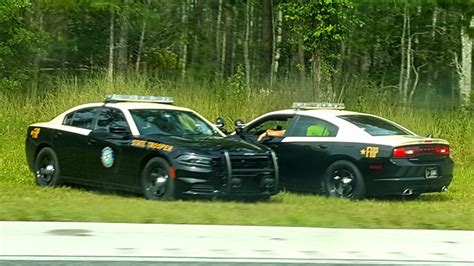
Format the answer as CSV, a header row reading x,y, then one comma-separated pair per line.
x,y
370,152
107,157
35,132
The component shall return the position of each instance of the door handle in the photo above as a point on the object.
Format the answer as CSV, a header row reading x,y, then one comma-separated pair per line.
x,y
58,134
92,141
321,146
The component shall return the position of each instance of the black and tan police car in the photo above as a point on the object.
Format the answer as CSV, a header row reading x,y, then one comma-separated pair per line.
x,y
145,144
322,148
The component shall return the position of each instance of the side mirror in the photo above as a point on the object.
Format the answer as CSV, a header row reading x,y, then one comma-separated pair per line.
x,y
220,123
116,129
239,123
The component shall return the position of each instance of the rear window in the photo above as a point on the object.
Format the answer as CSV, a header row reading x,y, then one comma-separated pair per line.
x,y
375,126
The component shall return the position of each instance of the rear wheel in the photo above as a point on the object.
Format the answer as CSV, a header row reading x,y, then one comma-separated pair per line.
x,y
46,168
343,179
157,183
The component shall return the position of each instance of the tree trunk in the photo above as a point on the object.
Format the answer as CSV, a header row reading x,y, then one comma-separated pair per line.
x,y
246,43
218,30
408,62
267,42
235,22
403,53
466,65
301,62
141,43
110,70
184,39
223,53
434,21
140,46
316,67
122,61
277,53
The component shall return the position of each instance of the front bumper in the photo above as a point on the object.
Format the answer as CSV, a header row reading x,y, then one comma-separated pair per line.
x,y
232,175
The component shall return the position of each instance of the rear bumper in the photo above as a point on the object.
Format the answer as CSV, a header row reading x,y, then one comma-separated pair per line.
x,y
396,186
400,175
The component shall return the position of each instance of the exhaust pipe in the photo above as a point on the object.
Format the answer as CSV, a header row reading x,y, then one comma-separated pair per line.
x,y
407,192
444,189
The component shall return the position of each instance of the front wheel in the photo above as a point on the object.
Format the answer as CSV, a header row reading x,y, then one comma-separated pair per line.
x,y
157,183
46,167
343,179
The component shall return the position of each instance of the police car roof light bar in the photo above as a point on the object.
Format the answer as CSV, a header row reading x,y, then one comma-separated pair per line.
x,y
115,98
318,106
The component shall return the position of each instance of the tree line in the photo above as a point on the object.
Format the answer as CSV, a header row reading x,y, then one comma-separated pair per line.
x,y
410,48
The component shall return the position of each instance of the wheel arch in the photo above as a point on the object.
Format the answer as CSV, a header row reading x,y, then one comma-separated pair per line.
x,y
150,156
339,157
40,147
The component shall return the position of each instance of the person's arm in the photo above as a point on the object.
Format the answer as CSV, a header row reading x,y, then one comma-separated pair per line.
x,y
271,133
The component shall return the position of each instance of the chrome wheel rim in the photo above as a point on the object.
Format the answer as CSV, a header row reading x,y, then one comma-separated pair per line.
x,y
157,182
341,183
46,169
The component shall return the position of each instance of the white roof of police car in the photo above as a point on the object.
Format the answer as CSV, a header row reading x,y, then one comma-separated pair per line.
x,y
124,107
349,130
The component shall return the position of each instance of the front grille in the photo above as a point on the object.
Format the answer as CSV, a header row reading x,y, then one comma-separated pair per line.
x,y
249,173
240,162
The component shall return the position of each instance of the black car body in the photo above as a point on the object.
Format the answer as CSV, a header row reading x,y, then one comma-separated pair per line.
x,y
349,154
161,150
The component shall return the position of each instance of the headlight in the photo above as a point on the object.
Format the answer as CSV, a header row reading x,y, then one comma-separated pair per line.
x,y
194,160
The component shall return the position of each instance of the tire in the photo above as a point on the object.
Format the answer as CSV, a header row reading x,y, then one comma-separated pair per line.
x,y
46,167
157,183
344,180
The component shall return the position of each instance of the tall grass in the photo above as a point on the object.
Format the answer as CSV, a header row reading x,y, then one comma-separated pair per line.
x,y
20,198
230,99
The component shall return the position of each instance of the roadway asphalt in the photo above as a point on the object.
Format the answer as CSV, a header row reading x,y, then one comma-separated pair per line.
x,y
72,243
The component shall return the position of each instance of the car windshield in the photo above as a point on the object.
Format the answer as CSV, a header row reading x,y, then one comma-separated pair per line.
x,y
375,126
170,122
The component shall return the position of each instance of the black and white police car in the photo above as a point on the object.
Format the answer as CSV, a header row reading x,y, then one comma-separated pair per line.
x,y
322,148
145,144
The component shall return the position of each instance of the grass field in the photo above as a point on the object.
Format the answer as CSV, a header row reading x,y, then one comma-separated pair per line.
x,y
20,199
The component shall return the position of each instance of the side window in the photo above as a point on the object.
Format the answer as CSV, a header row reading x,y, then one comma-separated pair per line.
x,y
312,127
108,117
272,123
81,118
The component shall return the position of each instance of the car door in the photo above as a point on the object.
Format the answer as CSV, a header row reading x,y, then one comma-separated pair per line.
x,y
279,122
310,143
70,142
107,147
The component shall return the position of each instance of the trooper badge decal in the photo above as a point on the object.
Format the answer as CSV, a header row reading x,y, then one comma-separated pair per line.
x,y
107,157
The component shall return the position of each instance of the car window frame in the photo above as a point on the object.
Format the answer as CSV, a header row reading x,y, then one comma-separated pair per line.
x,y
73,113
300,116
267,118
100,109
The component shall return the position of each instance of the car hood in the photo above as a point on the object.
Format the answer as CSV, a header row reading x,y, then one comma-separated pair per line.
x,y
209,144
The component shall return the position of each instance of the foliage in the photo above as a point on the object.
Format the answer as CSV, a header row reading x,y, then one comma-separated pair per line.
x,y
20,197
19,45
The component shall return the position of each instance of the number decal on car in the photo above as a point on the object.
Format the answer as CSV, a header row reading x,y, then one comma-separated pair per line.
x,y
370,152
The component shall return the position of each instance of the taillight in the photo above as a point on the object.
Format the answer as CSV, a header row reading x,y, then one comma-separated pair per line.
x,y
403,152
443,150
410,151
